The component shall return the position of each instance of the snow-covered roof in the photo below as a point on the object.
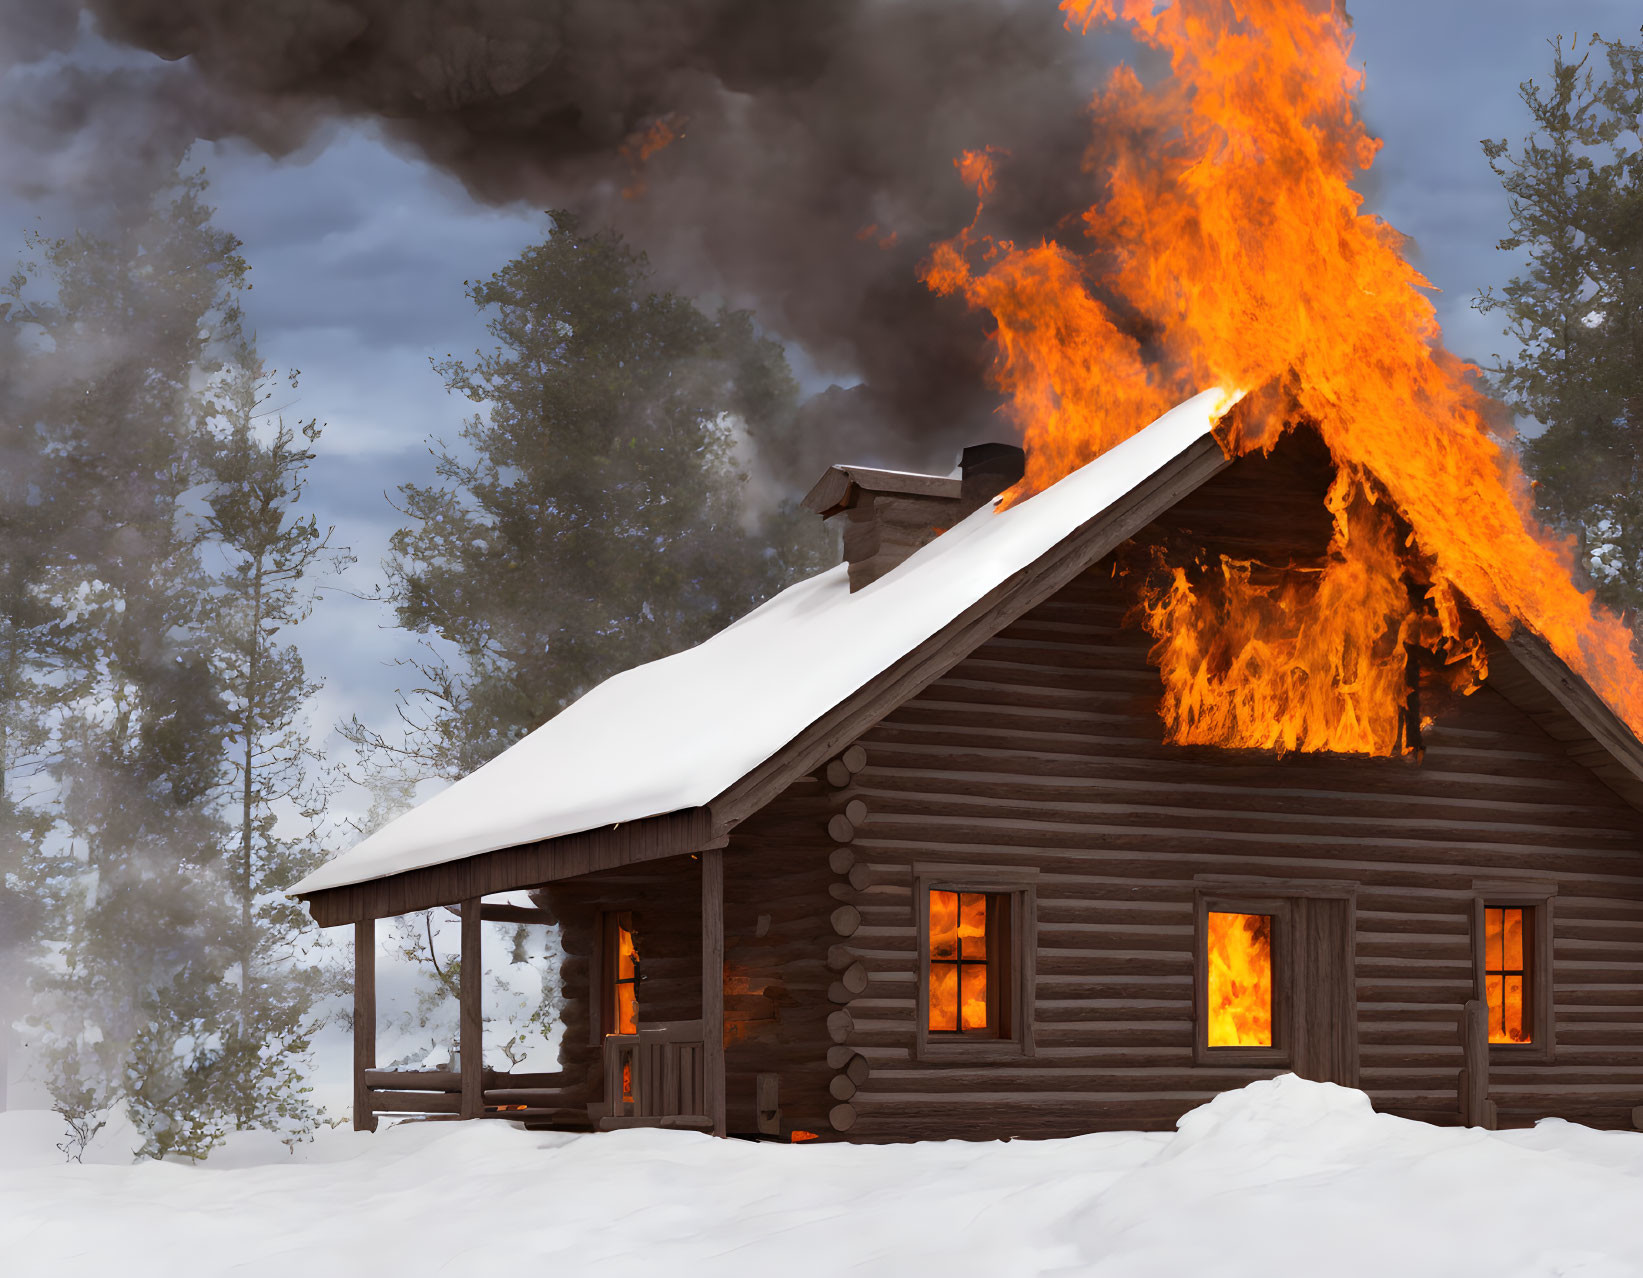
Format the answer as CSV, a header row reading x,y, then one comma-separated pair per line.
x,y
676,733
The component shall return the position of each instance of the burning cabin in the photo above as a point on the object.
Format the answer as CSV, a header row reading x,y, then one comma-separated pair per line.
x,y
1043,818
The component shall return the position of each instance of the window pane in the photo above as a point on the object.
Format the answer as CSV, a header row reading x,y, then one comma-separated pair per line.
x,y
972,925
1505,973
944,925
1513,934
944,996
1239,996
1516,1030
975,996
624,954
627,1015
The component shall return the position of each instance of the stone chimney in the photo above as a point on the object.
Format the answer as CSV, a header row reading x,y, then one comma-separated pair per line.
x,y
891,513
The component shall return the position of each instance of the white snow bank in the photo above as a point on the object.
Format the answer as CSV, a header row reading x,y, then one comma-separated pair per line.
x,y
1282,1178
677,732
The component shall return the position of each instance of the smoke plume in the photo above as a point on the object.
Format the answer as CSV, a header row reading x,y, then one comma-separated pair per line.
x,y
794,156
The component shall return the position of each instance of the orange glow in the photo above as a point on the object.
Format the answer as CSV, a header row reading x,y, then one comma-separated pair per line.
x,y
958,961
626,1011
798,1137
1506,976
1228,247
1239,993
1304,658
640,145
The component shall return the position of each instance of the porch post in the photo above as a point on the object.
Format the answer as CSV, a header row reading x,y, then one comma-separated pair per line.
x,y
473,1021
365,1020
713,985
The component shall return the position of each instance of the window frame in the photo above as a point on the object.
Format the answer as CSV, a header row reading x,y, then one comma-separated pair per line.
x,y
604,967
1253,894
1020,886
1535,900
1231,900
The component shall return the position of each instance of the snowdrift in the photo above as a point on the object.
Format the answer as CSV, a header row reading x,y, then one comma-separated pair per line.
x,y
1284,1177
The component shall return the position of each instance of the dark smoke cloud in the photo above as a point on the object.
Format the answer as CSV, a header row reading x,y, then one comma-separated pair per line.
x,y
814,170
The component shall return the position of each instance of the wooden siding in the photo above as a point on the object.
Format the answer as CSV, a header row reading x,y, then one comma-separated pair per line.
x,y
1044,748
664,899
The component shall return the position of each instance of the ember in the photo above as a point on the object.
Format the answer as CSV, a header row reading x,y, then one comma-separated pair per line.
x,y
1239,993
1230,249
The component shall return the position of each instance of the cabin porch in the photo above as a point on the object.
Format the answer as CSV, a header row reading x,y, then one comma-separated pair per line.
x,y
625,1065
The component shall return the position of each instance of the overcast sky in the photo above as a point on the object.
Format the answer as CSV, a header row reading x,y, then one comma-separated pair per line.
x,y
359,255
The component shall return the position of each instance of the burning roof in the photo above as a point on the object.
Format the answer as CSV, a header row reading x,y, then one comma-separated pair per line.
x,y
1230,248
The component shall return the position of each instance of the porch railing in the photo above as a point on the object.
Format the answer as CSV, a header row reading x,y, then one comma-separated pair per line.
x,y
657,1077
436,1093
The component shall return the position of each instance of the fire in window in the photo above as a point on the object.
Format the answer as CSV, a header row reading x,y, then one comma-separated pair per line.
x,y
621,994
1505,973
624,1012
1239,980
966,959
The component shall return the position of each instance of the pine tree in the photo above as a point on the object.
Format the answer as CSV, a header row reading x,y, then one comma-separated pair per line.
x,y
1575,190
596,517
270,553
130,325
32,520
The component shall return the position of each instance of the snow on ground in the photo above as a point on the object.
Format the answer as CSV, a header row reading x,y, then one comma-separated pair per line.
x,y
1281,1178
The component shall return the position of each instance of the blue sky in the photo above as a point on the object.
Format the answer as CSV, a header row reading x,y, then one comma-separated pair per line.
x,y
359,253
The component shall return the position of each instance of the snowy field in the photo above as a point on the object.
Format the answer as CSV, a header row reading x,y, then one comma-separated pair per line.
x,y
1282,1178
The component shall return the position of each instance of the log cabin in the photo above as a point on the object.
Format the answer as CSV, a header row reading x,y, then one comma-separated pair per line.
x,y
910,852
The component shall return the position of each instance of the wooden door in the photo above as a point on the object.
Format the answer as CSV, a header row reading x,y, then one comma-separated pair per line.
x,y
1323,994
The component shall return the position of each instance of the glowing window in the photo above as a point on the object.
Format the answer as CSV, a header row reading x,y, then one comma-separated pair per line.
x,y
1506,974
1239,980
624,985
966,944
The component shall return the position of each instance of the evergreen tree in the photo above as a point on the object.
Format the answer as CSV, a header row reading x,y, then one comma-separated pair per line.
x,y
1576,203
271,552
171,698
32,521
596,517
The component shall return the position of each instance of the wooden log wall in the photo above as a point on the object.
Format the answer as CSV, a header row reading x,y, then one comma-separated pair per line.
x,y
777,932
664,899
1044,748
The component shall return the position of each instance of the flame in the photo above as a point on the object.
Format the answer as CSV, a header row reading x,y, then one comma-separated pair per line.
x,y
1506,976
626,1018
1239,990
1229,248
958,961
1306,658
641,144
798,1136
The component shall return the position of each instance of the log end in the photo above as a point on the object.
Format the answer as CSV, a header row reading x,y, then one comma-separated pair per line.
x,y
846,919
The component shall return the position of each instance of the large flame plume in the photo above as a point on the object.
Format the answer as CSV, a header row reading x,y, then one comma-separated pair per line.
x,y
1304,658
1230,249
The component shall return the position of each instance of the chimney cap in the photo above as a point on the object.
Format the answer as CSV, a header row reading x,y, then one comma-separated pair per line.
x,y
841,486
1005,461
